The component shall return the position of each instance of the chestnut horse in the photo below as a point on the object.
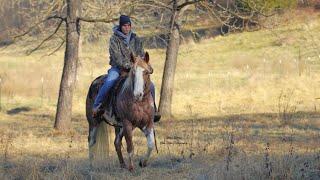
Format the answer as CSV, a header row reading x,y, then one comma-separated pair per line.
x,y
133,107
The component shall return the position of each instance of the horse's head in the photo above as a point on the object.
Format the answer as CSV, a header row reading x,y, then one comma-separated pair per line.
x,y
141,71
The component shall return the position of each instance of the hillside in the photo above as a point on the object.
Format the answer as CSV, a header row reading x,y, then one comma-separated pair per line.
x,y
245,106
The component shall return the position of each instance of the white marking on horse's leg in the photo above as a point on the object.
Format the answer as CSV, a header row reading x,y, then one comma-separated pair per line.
x,y
138,82
150,142
150,139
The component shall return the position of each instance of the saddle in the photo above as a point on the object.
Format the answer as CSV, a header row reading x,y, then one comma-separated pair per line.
x,y
109,104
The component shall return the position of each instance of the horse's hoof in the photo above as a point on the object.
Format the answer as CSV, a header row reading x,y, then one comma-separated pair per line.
x,y
130,168
123,165
142,163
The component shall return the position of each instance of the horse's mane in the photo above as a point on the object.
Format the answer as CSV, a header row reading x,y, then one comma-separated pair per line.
x,y
128,83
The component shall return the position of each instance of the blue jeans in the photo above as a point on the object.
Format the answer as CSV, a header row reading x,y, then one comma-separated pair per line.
x,y
110,80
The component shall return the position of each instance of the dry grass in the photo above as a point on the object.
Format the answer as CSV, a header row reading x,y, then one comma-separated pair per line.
x,y
242,111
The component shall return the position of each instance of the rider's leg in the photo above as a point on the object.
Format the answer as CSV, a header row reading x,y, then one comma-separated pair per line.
x,y
157,116
113,75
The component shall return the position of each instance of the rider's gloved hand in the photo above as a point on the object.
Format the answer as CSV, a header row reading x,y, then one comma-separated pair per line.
x,y
127,66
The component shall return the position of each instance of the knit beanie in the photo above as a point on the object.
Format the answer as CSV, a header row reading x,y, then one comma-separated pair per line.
x,y
124,20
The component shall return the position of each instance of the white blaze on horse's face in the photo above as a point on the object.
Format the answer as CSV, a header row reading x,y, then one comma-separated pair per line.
x,y
138,83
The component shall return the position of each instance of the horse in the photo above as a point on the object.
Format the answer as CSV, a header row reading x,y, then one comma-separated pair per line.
x,y
133,107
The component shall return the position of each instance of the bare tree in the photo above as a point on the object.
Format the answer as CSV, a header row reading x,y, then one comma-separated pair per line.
x,y
168,19
233,14
64,107
71,13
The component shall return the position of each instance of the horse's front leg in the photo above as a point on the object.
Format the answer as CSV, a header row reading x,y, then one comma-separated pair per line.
x,y
117,145
149,133
128,128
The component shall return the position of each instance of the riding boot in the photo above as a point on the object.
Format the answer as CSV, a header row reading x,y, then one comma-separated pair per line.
x,y
97,111
157,115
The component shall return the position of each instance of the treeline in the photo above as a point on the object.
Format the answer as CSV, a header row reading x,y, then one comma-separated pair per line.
x,y
18,15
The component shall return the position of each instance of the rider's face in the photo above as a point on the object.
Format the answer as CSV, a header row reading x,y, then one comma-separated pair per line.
x,y
126,28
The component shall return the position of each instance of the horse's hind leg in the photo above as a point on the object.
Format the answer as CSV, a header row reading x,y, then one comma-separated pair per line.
x,y
91,141
92,135
149,133
117,145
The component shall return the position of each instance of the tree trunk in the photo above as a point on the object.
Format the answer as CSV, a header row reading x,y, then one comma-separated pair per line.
x,y
169,68
64,107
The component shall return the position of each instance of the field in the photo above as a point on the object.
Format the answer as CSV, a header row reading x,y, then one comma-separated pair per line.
x,y
245,106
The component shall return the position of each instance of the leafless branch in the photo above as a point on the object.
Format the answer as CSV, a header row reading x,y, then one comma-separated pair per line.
x,y
153,6
186,3
233,13
158,4
95,20
46,39
212,12
37,24
106,19
234,17
58,48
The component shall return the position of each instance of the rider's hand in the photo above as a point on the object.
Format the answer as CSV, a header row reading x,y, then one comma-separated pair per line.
x,y
127,66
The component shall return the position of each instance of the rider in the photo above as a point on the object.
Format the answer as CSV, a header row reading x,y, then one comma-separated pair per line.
x,y
122,43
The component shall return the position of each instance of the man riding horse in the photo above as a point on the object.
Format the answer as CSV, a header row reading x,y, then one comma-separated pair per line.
x,y
123,43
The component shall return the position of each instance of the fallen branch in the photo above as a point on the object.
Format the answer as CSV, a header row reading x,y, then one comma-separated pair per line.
x,y
173,143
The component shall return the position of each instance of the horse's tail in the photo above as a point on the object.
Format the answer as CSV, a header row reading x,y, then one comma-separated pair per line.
x,y
101,149
98,138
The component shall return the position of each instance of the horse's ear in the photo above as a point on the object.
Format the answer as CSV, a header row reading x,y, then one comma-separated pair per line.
x,y
132,59
146,57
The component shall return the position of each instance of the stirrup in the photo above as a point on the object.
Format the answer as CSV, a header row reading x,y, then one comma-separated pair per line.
x,y
156,117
